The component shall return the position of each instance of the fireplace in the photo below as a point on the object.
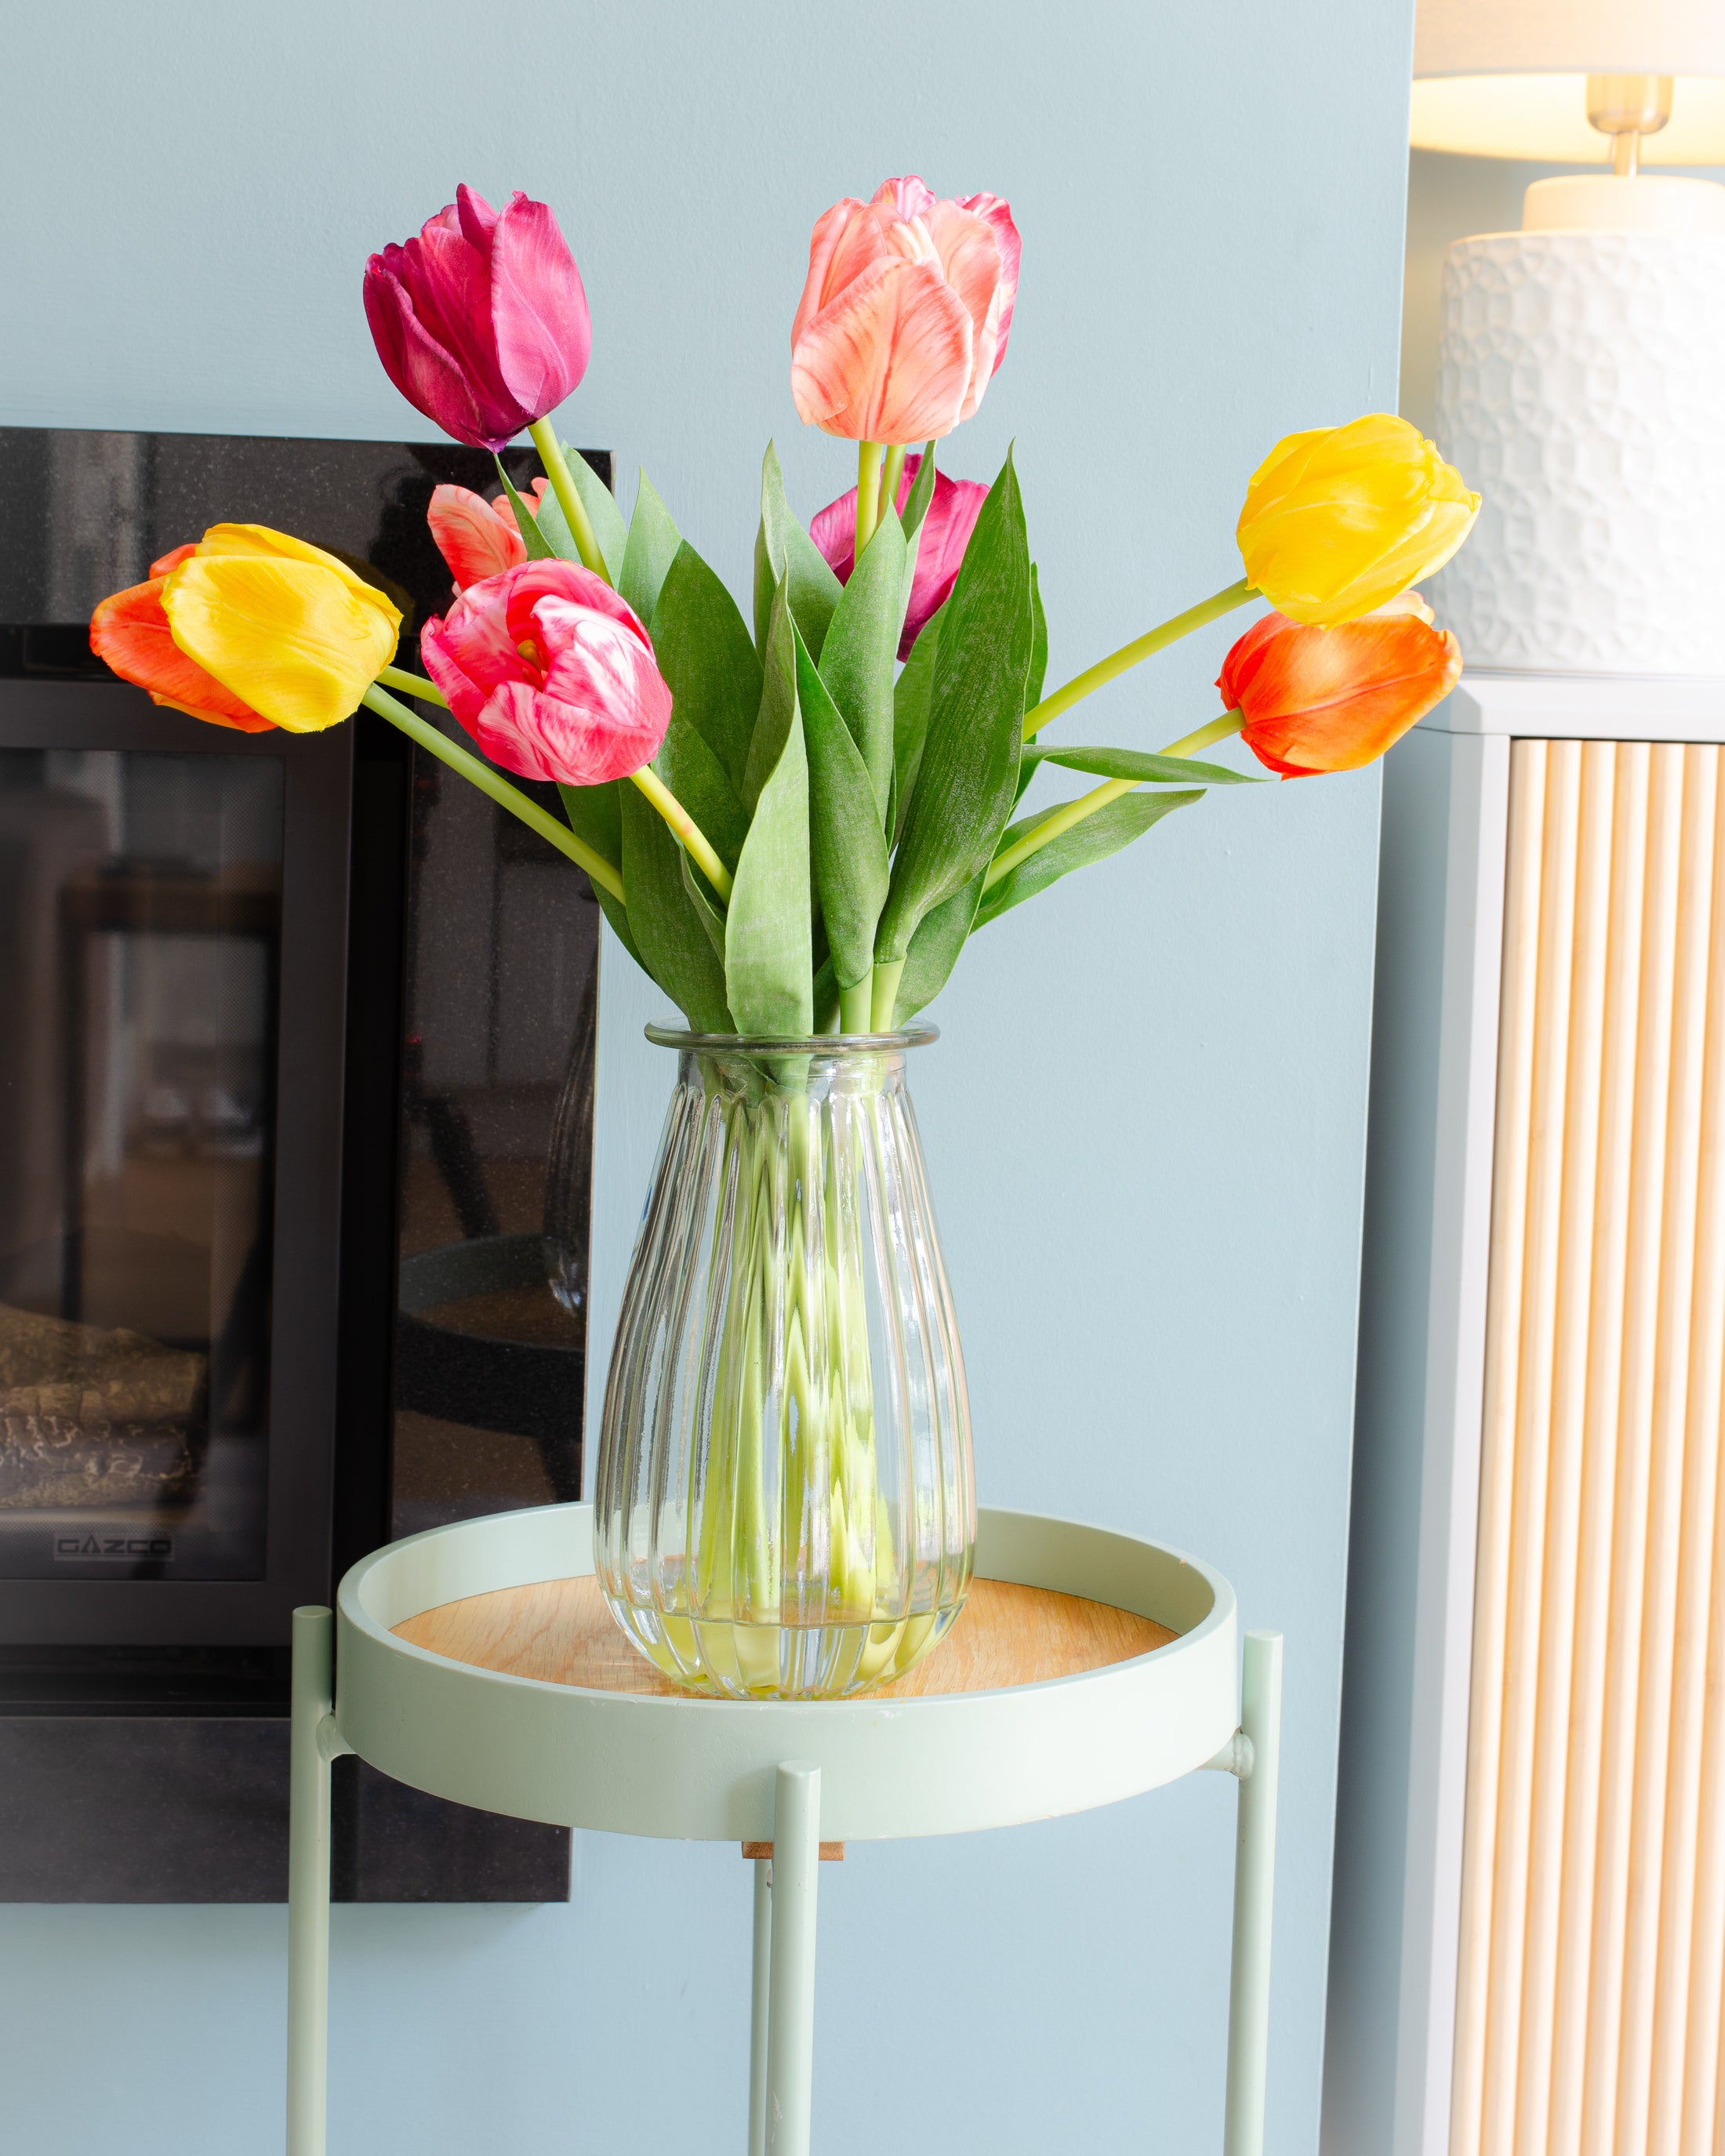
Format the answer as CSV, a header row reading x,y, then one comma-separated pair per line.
x,y
279,1077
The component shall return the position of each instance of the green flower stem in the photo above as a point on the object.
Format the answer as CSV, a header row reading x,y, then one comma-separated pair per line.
x,y
868,493
855,1005
887,977
414,685
1129,655
1063,818
684,829
508,796
891,472
1194,744
562,484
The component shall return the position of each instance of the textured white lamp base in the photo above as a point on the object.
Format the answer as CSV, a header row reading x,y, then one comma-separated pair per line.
x,y
1581,388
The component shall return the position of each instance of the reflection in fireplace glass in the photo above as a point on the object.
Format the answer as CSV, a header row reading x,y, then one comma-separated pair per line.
x,y
140,934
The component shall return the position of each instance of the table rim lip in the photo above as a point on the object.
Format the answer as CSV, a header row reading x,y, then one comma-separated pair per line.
x,y
1223,1611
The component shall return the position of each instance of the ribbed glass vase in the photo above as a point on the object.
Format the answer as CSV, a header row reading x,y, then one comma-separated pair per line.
x,y
784,1504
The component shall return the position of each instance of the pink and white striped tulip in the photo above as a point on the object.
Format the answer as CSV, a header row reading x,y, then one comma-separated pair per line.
x,y
905,313
551,673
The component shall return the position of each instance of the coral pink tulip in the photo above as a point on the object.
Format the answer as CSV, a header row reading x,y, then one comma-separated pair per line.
x,y
905,313
551,673
481,322
476,537
940,545
1318,700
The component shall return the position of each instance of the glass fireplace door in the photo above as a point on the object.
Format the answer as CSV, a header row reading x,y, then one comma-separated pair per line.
x,y
139,945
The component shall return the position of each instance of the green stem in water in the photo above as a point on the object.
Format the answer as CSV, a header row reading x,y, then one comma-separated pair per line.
x,y
562,485
413,684
868,493
891,472
508,796
888,973
1062,819
684,829
856,1005
1130,654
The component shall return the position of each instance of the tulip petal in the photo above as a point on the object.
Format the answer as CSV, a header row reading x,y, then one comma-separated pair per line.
x,y
847,239
130,632
282,545
287,637
538,308
970,261
471,536
426,373
907,197
996,215
889,360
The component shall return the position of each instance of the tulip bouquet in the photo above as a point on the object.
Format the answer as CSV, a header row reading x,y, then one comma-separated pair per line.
x,y
794,811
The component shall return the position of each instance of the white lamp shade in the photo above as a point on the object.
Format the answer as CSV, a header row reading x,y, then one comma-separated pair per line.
x,y
1508,78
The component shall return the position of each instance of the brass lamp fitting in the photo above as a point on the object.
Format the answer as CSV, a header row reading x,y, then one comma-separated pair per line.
x,y
1626,107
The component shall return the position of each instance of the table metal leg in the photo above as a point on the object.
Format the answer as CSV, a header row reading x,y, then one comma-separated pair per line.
x,y
313,1743
760,2000
790,1975
1254,1894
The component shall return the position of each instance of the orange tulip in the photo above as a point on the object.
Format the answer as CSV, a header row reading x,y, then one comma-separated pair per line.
x,y
905,314
130,631
1318,700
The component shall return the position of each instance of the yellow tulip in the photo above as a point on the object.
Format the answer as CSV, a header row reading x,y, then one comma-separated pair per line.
x,y
289,630
1340,520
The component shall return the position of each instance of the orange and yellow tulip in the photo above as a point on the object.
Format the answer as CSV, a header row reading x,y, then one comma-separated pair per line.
x,y
250,628
1320,700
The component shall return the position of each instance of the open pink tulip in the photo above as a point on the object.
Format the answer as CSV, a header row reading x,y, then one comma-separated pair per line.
x,y
941,543
905,314
481,322
551,673
476,537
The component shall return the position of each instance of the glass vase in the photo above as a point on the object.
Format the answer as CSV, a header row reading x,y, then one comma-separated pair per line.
x,y
784,1504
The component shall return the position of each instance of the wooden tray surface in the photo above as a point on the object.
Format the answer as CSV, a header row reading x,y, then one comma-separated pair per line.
x,y
560,1631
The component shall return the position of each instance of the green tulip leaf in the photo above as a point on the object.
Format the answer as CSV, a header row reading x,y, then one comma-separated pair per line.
x,y
652,543
704,652
940,937
594,814
857,660
783,549
602,513
1094,839
695,775
539,548
849,849
769,958
916,508
826,998
711,918
909,718
968,779
670,935
1148,769
1039,645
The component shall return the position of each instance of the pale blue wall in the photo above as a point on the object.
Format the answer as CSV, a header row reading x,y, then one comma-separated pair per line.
x,y
1146,1121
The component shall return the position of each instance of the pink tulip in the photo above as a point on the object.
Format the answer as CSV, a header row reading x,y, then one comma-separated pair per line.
x,y
551,673
476,537
481,322
945,534
905,315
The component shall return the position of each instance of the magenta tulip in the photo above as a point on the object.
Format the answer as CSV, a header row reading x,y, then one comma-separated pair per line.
x,y
481,322
551,673
945,534
905,313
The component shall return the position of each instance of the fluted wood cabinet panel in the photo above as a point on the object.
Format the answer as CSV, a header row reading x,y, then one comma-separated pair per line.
x,y
1592,1940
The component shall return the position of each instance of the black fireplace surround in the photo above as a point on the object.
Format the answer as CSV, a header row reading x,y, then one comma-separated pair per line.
x,y
285,1020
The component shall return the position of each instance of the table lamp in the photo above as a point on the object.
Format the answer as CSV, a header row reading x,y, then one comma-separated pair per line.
x,y
1582,364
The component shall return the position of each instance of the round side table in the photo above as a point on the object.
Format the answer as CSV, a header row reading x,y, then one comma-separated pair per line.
x,y
479,1662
